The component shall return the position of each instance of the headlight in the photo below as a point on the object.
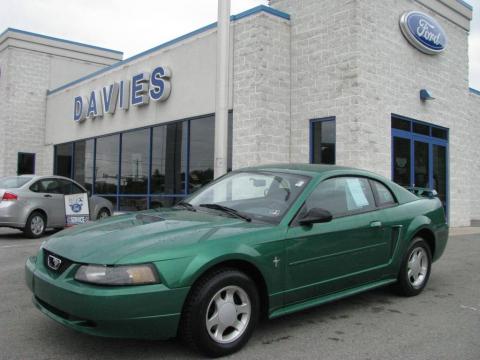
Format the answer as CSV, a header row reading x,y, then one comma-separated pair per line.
x,y
117,275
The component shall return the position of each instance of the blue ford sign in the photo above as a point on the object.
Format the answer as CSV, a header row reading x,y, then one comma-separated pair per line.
x,y
423,32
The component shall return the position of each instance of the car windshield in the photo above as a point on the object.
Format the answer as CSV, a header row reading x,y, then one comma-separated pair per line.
x,y
13,182
264,196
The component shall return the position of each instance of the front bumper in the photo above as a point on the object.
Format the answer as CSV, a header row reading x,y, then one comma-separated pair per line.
x,y
141,312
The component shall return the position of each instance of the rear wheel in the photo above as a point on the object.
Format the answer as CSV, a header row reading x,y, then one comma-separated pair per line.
x,y
221,313
103,213
415,269
35,225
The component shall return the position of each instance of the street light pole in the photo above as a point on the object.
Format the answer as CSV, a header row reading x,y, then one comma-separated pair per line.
x,y
222,91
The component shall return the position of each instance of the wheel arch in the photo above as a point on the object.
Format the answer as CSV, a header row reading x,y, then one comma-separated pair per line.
x,y
245,266
40,210
426,234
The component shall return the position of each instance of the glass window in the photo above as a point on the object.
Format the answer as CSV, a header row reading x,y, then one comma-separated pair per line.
x,y
26,164
401,124
133,203
342,196
401,161
264,196
421,129
202,143
49,186
14,182
106,166
157,202
83,172
168,159
323,142
135,159
69,188
63,160
439,133
384,196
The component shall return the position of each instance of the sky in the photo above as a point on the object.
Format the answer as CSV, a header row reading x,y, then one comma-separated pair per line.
x,y
115,24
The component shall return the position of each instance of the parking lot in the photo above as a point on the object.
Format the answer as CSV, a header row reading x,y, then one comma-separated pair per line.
x,y
441,323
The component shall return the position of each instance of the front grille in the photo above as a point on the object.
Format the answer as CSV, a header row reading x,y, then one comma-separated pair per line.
x,y
64,264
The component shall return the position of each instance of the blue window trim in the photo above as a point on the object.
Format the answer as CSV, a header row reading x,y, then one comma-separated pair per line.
x,y
253,11
118,195
430,140
312,140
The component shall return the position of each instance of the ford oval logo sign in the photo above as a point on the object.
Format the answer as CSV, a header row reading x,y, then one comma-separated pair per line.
x,y
423,32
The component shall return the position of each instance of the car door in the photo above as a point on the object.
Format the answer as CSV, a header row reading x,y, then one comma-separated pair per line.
x,y
47,194
335,255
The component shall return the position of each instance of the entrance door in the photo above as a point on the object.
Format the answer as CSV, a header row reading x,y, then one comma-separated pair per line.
x,y
420,156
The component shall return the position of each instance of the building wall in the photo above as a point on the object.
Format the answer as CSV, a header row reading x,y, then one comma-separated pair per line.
x,y
350,60
30,65
261,91
474,132
192,63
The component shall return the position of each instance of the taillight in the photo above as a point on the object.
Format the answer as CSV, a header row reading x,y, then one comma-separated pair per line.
x,y
9,197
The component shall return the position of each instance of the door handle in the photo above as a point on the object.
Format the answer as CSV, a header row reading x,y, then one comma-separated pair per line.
x,y
47,195
376,224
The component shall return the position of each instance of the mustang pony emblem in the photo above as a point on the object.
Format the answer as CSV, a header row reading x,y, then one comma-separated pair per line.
x,y
53,262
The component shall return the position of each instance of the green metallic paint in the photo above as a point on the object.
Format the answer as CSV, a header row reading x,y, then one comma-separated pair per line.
x,y
317,264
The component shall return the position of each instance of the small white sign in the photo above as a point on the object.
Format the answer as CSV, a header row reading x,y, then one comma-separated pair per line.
x,y
76,209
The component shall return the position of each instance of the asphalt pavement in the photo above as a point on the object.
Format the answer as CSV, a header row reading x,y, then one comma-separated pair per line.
x,y
441,323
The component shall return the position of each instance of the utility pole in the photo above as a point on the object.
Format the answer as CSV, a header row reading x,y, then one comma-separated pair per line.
x,y
222,89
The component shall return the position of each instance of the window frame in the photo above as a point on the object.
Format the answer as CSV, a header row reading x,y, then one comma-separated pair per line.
x,y
296,219
22,153
376,196
312,138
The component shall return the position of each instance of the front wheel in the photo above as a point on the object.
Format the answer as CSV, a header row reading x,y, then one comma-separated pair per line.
x,y
415,270
220,313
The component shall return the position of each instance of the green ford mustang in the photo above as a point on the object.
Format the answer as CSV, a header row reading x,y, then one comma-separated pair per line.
x,y
259,242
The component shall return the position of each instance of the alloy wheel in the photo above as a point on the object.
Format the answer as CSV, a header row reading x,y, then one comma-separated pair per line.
x,y
417,267
228,314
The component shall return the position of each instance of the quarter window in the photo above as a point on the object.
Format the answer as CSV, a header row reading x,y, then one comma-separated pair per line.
x,y
342,196
384,196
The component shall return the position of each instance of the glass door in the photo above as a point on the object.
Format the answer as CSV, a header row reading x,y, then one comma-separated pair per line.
x,y
420,156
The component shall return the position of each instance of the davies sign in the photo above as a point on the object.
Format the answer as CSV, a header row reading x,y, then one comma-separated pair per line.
x,y
136,91
423,32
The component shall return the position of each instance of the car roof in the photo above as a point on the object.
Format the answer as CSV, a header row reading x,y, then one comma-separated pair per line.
x,y
307,169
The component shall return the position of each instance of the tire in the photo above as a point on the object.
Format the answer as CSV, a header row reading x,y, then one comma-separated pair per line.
x,y
237,315
103,213
414,274
35,225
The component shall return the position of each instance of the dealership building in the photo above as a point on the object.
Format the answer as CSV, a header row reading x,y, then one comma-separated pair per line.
x,y
380,85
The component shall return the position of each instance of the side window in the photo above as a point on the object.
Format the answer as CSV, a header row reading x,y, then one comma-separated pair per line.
x,y
342,196
384,196
37,187
50,186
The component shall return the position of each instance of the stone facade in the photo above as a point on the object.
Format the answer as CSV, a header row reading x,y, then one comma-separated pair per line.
x,y
261,90
30,64
350,60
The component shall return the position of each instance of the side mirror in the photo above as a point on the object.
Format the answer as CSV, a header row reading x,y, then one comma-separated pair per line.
x,y
315,216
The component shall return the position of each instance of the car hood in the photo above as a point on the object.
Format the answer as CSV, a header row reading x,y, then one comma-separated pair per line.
x,y
148,236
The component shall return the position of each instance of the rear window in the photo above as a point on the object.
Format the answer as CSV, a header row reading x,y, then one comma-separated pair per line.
x,y
14,182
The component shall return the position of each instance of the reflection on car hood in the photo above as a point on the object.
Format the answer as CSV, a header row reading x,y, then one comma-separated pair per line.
x,y
145,236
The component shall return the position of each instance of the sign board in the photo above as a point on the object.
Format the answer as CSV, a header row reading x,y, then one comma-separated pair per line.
x,y
136,91
76,209
423,32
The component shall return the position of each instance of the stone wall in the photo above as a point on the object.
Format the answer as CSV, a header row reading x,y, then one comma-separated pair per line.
x,y
261,90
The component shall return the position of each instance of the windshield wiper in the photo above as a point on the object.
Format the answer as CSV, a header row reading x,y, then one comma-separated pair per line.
x,y
186,205
227,210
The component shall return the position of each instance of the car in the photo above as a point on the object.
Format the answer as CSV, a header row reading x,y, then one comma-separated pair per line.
x,y
34,203
259,242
